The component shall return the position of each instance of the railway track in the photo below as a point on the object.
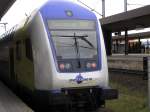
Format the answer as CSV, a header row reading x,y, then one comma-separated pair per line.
x,y
127,71
77,110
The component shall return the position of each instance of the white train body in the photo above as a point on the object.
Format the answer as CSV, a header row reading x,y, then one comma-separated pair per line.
x,y
44,63
58,53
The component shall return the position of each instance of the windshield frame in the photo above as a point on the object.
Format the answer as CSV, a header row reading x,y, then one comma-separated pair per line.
x,y
97,38
75,41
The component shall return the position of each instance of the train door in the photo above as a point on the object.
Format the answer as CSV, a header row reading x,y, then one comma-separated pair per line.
x,y
11,67
28,63
18,61
24,64
11,56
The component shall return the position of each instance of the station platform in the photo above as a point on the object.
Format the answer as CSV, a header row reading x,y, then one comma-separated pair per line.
x,y
9,102
134,62
128,56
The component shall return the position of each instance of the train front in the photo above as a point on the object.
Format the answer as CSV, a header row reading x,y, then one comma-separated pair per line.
x,y
78,70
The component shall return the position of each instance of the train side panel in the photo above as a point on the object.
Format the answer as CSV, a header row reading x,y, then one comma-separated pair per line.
x,y
23,61
4,62
104,56
42,54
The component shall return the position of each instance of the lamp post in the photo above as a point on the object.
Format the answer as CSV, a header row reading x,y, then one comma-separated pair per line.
x,y
125,5
103,8
126,31
149,82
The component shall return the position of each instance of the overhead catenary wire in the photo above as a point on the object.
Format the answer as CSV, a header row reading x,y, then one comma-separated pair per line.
x,y
90,8
135,4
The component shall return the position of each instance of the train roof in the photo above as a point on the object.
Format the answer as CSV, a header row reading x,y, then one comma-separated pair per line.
x,y
56,9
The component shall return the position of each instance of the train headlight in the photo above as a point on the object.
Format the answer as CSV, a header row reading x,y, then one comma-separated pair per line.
x,y
90,65
93,65
67,66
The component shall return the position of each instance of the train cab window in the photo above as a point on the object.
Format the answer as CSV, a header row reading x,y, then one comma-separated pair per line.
x,y
18,50
28,49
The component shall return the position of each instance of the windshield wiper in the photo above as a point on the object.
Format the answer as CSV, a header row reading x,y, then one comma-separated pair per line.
x,y
87,41
82,37
72,45
76,44
77,51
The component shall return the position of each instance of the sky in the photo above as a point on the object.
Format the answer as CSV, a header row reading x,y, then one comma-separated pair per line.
x,y
21,8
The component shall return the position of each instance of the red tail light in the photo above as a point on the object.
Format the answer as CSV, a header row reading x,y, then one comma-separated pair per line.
x,y
93,65
62,66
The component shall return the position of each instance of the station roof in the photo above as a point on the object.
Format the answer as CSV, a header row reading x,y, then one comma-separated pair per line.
x,y
129,20
142,35
4,6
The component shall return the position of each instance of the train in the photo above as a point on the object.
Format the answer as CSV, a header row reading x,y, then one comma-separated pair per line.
x,y
57,57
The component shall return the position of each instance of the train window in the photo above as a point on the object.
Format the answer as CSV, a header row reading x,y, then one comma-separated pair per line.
x,y
71,24
18,50
28,49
